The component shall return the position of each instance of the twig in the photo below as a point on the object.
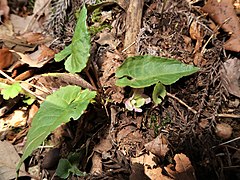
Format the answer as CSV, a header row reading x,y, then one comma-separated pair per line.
x,y
235,139
130,45
214,32
27,90
228,115
181,102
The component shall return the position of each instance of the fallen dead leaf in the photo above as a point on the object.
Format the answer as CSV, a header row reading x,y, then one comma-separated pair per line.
x,y
34,38
107,38
230,76
183,169
6,58
158,146
20,24
38,58
111,61
14,120
97,164
196,34
43,54
8,160
145,167
4,9
223,13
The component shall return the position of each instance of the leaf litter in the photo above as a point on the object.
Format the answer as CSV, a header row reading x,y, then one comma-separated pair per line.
x,y
165,141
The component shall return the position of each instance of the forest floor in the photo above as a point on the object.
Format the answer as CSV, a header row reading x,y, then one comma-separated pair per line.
x,y
193,134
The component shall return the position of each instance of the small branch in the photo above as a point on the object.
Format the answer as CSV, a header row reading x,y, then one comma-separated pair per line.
x,y
232,140
181,102
228,115
25,89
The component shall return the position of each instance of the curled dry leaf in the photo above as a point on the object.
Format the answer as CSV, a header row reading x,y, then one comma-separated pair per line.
x,y
223,13
224,130
230,76
37,59
158,146
6,58
144,167
183,169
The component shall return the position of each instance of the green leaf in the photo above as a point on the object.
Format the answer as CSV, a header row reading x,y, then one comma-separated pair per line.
x,y
63,169
77,53
11,91
159,93
66,103
29,99
144,71
3,85
63,54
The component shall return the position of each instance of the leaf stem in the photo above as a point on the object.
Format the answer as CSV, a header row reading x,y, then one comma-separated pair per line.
x,y
181,102
25,89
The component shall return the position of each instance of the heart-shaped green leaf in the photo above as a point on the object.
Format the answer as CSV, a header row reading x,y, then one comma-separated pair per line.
x,y
77,53
66,103
144,71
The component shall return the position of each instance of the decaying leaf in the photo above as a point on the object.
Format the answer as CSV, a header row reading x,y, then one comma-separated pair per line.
x,y
38,58
8,160
183,169
17,119
6,58
223,13
230,76
111,61
158,146
147,168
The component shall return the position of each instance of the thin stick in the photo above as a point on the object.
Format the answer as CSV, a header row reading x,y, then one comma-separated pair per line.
x,y
181,102
229,115
130,45
214,32
27,90
235,139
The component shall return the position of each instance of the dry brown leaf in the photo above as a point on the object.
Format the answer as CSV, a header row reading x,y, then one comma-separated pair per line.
x,y
17,119
96,164
34,38
37,59
20,24
6,58
8,160
4,9
111,61
124,132
158,146
230,76
183,169
146,168
43,54
196,34
223,13
107,38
